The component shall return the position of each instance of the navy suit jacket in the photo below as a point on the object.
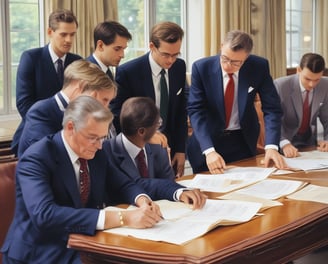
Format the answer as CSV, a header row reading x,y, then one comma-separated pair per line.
x,y
159,188
43,118
206,103
157,158
36,79
48,205
134,78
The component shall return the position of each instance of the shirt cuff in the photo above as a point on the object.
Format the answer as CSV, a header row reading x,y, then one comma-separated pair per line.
x,y
209,150
271,146
101,220
142,194
284,143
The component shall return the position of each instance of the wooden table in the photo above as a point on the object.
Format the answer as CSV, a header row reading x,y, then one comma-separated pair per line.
x,y
283,234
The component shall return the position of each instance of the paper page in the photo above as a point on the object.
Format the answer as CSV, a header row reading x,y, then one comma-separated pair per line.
x,y
313,160
266,203
312,193
195,223
272,188
231,179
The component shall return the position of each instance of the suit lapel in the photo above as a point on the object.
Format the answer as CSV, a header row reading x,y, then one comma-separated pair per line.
x,y
150,159
66,171
216,80
296,98
48,64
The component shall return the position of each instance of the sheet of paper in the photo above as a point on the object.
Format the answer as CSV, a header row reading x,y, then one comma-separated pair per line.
x,y
311,192
181,229
272,188
312,160
232,179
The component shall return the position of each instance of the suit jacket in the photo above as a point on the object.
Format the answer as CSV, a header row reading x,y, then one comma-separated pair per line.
x,y
288,88
206,103
134,78
36,79
48,205
158,161
92,59
162,187
42,119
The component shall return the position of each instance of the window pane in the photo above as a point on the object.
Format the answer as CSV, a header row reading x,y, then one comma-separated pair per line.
x,y
299,23
168,10
131,15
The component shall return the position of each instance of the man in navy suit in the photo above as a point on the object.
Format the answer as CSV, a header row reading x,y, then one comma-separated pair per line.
x,y
45,116
110,39
50,190
142,77
219,135
38,74
139,121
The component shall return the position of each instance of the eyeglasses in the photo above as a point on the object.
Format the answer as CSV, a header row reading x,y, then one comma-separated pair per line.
x,y
234,63
93,139
168,55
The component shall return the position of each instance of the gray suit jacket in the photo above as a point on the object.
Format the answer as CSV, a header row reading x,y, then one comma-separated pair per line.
x,y
288,88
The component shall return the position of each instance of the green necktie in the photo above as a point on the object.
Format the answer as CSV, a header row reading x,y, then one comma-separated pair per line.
x,y
164,98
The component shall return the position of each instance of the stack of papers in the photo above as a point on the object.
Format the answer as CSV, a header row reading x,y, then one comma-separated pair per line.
x,y
312,160
183,224
312,193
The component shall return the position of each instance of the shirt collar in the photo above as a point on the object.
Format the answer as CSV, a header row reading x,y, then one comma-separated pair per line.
x,y
155,68
103,67
72,155
132,149
54,56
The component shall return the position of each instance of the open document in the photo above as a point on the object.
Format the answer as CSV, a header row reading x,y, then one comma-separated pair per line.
x,y
183,224
272,188
232,179
312,160
312,193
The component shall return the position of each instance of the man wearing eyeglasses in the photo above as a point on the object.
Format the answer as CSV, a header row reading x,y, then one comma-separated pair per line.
x,y
221,107
160,75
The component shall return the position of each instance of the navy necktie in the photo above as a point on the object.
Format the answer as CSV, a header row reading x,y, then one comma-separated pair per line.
x,y
60,71
110,74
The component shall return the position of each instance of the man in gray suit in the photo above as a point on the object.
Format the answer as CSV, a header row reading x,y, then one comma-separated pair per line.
x,y
302,93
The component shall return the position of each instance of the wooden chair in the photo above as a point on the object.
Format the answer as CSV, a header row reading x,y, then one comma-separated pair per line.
x,y
7,196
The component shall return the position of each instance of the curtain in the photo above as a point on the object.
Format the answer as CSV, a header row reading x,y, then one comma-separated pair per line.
x,y
321,30
89,14
263,19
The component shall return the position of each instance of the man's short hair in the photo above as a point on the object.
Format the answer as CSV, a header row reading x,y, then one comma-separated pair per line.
x,y
61,15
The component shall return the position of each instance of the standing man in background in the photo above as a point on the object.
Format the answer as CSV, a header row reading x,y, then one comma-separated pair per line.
x,y
221,107
304,98
160,75
40,71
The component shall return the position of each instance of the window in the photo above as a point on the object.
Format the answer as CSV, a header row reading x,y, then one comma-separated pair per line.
x,y
20,27
138,16
299,29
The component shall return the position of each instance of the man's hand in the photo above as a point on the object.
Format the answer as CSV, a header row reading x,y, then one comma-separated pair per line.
x,y
193,197
323,146
274,155
215,162
178,163
290,151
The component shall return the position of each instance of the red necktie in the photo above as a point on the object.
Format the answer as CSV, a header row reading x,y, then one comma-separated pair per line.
x,y
228,98
84,181
306,115
141,164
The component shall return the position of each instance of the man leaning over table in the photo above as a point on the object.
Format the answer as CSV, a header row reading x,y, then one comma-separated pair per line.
x,y
225,124
56,197
299,130
139,120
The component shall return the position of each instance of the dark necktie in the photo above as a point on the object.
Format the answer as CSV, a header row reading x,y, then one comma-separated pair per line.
x,y
60,71
228,98
164,98
306,115
141,164
110,74
84,181
61,98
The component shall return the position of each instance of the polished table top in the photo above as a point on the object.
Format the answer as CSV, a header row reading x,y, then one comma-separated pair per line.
x,y
282,234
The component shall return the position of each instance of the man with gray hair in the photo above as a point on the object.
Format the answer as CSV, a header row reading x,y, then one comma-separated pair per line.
x,y
221,107
45,116
63,184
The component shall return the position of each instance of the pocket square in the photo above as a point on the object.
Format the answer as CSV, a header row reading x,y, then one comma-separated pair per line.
x,y
179,92
250,89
